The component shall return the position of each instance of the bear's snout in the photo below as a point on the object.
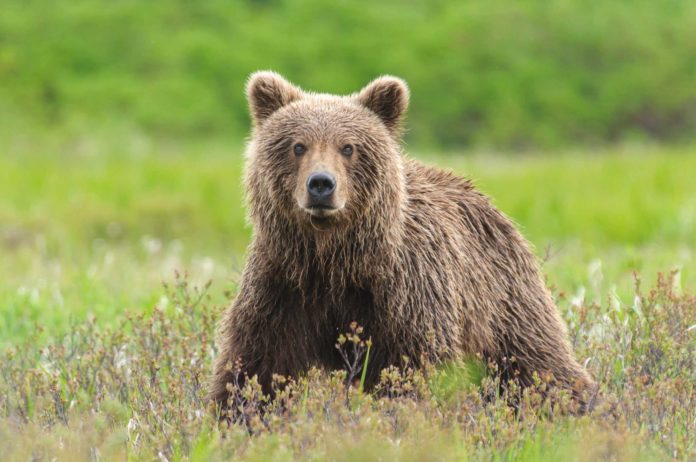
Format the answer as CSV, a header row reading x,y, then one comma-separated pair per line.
x,y
320,187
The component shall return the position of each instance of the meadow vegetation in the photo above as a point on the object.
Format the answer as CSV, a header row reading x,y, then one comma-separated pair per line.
x,y
136,391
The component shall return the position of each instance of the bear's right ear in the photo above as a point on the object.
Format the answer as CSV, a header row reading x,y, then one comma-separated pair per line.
x,y
267,92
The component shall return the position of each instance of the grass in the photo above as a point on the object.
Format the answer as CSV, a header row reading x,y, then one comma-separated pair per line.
x,y
90,226
135,392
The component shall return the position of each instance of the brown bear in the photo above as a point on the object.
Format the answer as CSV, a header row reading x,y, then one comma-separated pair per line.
x,y
348,228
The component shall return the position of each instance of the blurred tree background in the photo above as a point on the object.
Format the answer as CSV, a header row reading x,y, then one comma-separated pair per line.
x,y
501,74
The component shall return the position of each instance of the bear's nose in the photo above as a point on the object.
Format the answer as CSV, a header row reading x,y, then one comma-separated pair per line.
x,y
321,185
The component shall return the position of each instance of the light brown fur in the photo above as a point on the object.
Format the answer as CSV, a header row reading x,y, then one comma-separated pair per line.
x,y
414,254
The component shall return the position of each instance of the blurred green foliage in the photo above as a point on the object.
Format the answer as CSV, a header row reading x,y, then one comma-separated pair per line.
x,y
495,73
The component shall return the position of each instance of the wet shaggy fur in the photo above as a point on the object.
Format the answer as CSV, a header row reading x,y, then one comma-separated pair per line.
x,y
417,255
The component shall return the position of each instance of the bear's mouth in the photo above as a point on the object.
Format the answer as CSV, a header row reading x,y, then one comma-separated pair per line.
x,y
321,211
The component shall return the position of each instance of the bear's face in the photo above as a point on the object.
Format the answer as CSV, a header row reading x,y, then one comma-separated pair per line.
x,y
321,159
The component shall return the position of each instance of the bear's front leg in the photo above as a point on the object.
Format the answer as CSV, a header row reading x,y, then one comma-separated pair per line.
x,y
242,348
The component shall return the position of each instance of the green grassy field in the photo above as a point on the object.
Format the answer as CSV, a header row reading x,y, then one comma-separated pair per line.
x,y
123,232
100,361
94,228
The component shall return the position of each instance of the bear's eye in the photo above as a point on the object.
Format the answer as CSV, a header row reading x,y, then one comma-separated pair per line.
x,y
299,149
347,150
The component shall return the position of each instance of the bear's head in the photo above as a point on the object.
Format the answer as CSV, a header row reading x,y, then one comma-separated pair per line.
x,y
323,162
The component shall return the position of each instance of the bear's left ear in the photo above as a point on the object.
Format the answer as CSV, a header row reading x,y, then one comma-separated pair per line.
x,y
267,92
387,97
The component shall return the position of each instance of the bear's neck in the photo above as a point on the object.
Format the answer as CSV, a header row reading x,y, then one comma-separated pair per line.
x,y
359,255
